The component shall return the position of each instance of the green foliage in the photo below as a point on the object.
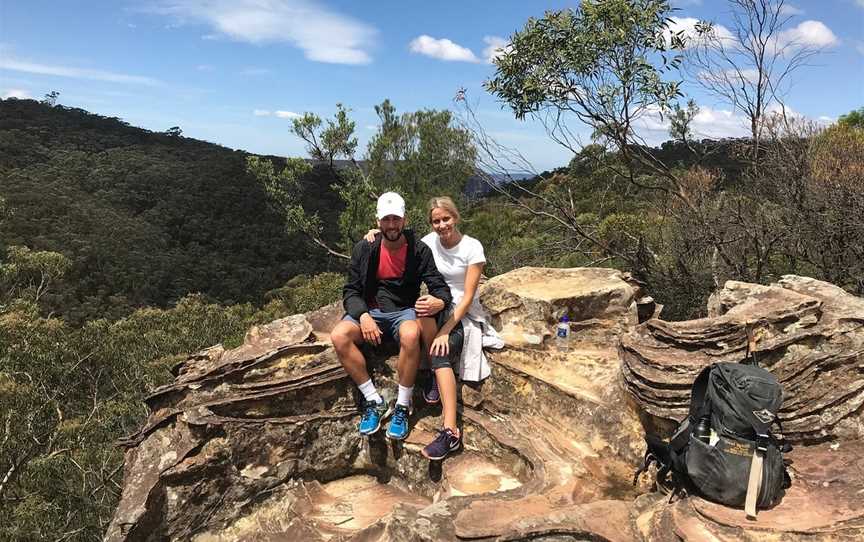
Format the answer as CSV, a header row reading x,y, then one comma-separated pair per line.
x,y
304,293
68,393
594,62
283,192
419,155
681,119
144,218
28,274
852,119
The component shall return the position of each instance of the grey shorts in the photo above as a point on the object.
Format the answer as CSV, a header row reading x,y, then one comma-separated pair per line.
x,y
388,322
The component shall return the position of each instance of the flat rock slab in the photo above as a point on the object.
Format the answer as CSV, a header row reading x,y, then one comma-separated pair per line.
x,y
533,517
580,372
354,503
526,304
828,491
471,473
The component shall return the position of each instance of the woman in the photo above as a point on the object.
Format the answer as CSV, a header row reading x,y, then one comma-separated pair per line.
x,y
460,259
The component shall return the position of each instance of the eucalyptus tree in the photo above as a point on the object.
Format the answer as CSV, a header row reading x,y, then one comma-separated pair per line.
x,y
418,154
607,65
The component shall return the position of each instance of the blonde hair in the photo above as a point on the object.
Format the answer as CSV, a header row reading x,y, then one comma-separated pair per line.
x,y
443,202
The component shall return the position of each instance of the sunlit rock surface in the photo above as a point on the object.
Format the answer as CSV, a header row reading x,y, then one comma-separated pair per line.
x,y
809,333
260,442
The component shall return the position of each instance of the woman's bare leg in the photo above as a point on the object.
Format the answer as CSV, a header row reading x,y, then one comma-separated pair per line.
x,y
447,388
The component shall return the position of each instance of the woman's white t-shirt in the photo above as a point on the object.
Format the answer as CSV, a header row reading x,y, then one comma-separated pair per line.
x,y
453,263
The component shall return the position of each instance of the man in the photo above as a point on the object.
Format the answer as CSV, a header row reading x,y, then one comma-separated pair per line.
x,y
379,298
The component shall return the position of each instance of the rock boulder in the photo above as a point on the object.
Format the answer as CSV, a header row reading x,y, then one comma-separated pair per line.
x,y
260,443
809,333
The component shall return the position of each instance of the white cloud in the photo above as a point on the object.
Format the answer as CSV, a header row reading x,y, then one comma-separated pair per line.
x,y
860,46
8,63
789,9
204,68
442,49
17,93
495,45
860,3
810,34
708,123
323,35
278,113
687,25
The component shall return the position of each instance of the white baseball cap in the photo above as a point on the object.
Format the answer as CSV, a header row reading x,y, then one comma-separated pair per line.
x,y
390,203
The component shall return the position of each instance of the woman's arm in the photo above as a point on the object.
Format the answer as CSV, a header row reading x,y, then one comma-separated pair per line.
x,y
441,345
370,235
472,280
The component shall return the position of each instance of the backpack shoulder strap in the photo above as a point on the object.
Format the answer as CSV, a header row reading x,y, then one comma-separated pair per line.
x,y
699,405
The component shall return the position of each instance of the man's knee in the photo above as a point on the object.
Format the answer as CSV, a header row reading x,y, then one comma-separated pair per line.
x,y
341,338
409,334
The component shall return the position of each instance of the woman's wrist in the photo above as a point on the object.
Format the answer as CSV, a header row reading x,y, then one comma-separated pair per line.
x,y
446,328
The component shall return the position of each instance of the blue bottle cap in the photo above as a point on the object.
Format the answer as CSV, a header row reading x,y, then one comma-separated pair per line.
x,y
564,318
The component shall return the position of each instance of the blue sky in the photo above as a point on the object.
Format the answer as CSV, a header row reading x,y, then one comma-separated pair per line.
x,y
235,71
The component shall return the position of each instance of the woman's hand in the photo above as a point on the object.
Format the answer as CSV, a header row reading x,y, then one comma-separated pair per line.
x,y
428,305
440,345
370,235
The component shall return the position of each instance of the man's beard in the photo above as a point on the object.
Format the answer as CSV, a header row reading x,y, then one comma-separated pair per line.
x,y
392,235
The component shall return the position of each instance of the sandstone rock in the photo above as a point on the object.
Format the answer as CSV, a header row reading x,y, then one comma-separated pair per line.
x,y
810,334
824,503
527,303
260,443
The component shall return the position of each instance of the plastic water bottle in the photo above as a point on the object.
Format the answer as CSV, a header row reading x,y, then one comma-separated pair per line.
x,y
562,334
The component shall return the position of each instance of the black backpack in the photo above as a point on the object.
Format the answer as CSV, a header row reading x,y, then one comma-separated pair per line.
x,y
724,450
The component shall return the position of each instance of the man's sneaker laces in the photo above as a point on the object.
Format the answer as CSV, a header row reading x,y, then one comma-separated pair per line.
x,y
372,413
398,429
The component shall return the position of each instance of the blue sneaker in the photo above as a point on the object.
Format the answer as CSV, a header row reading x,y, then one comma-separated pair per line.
x,y
373,414
443,445
398,429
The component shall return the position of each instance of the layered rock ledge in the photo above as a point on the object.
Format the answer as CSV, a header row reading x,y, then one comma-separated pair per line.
x,y
809,333
260,442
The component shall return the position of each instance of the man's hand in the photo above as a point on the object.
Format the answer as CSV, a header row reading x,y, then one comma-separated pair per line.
x,y
370,330
428,305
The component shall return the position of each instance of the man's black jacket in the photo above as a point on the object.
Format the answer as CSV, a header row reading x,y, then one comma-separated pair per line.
x,y
401,294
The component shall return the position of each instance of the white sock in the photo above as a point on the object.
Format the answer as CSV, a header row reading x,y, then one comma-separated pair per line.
x,y
404,397
369,392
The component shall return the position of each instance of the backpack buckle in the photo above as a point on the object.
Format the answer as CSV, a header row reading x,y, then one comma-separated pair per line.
x,y
762,441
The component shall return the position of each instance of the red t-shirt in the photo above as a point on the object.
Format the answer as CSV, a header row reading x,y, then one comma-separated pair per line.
x,y
391,264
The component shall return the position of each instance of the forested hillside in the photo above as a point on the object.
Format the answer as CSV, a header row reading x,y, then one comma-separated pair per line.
x,y
144,218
